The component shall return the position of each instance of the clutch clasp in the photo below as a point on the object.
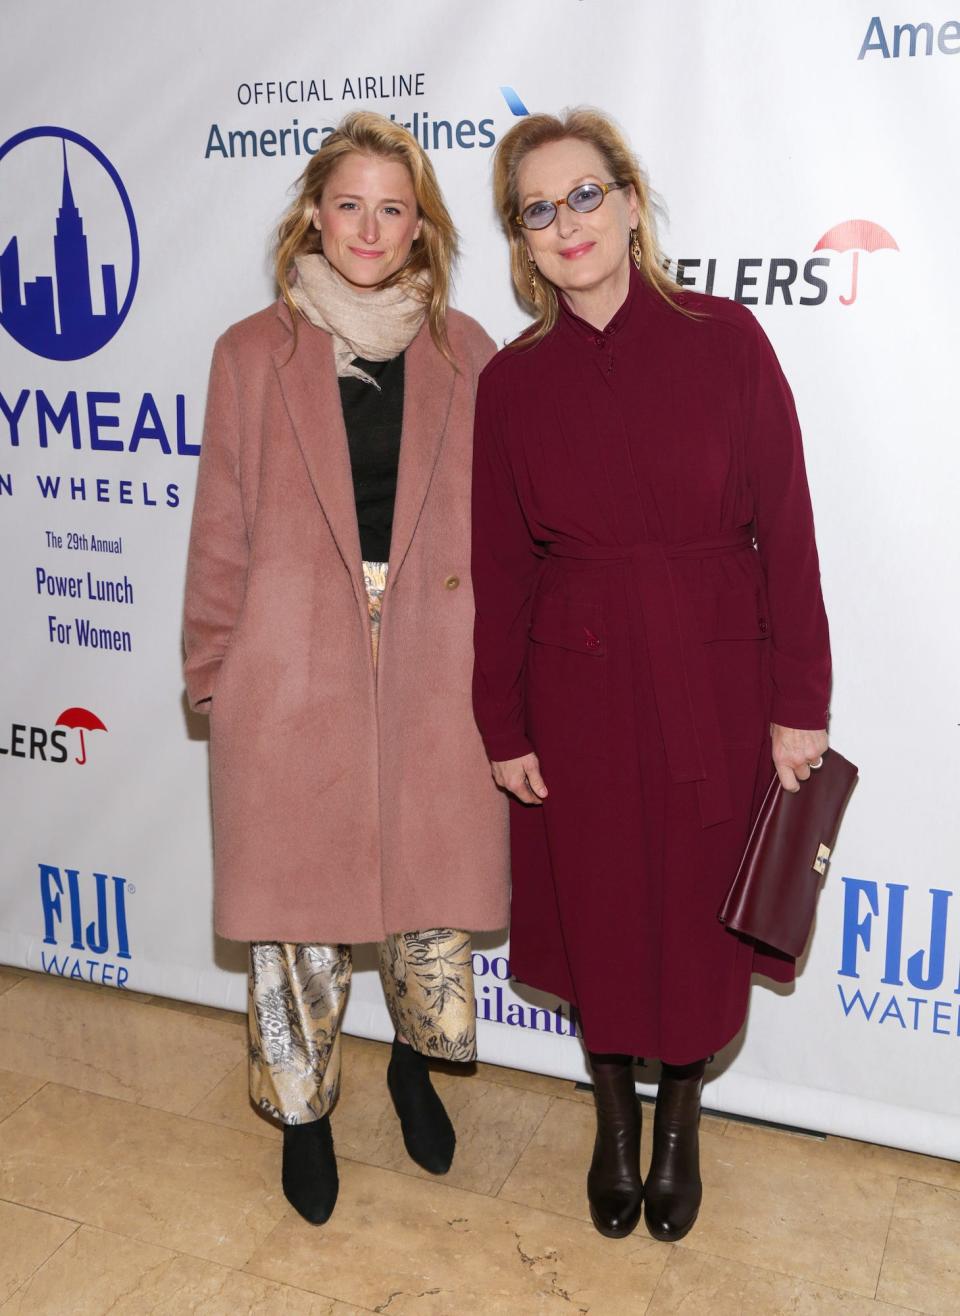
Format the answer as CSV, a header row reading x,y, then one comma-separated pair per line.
x,y
820,863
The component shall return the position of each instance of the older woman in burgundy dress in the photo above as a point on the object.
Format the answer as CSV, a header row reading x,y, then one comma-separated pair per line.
x,y
650,631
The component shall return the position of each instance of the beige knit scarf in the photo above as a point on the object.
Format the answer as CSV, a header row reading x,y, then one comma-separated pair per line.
x,y
376,325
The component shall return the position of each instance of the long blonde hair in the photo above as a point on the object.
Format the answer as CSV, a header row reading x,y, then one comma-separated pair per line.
x,y
433,252
585,125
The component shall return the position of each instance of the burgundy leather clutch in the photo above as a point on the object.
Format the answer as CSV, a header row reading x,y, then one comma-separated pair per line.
x,y
774,895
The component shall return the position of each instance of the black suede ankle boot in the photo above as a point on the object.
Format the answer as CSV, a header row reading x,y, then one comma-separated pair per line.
x,y
674,1190
614,1186
310,1179
427,1132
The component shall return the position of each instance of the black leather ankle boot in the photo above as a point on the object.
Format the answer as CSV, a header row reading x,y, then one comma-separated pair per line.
x,y
614,1186
427,1132
310,1179
674,1190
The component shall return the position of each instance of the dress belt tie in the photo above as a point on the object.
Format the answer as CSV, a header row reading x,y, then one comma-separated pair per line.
x,y
681,678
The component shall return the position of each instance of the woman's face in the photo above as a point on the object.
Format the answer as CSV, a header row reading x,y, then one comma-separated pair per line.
x,y
368,218
577,253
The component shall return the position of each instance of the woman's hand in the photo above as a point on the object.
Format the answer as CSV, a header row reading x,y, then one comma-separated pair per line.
x,y
521,777
796,754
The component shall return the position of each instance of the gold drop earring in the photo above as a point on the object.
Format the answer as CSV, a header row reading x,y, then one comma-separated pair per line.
x,y
532,276
635,251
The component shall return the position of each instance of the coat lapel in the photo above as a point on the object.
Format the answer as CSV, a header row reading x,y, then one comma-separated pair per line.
x,y
311,393
427,394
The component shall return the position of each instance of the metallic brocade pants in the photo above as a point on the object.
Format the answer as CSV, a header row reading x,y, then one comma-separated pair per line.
x,y
297,994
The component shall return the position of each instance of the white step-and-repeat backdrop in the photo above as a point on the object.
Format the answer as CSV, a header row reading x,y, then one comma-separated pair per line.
x,y
807,154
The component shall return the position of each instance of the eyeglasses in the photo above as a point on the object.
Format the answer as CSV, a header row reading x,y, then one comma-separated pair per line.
x,y
586,197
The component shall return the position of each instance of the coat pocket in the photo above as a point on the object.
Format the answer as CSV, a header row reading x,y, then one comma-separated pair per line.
x,y
739,670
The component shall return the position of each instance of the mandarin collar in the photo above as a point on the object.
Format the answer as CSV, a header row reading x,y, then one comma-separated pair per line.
x,y
620,317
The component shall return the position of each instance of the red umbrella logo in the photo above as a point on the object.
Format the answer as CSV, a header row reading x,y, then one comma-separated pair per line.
x,y
80,719
856,235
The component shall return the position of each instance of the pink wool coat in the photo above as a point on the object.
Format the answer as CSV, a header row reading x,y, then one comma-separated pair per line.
x,y
348,803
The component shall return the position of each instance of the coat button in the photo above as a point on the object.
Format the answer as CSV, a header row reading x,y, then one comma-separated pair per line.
x,y
762,623
452,582
600,340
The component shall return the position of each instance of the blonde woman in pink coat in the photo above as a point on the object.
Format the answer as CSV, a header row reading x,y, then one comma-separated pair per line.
x,y
328,631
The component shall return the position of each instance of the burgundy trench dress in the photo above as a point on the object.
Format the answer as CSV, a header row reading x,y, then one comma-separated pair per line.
x,y
648,601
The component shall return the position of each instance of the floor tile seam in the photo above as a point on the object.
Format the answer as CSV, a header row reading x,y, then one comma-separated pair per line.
x,y
875,1171
87,1066
39,1210
247,1269
663,1270
928,1183
520,1087
20,1105
886,1236
689,1244
138,1102
119,996
307,1293
564,1215
840,1161
136,1105
77,1225
436,1181
170,1003
840,1164
118,1228
207,1095
174,1252
533,1133
253,1133
904,1306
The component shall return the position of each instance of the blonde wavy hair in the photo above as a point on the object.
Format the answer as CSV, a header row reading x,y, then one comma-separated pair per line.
x,y
427,270
585,125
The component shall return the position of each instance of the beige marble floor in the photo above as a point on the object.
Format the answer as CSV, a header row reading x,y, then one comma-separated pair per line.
x,y
136,1179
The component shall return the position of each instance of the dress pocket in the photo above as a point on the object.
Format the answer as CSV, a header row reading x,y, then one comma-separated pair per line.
x,y
736,634
569,625
567,678
738,615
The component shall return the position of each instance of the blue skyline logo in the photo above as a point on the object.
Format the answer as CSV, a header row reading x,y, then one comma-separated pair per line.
x,y
73,311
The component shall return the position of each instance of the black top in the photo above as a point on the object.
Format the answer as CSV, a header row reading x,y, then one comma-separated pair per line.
x,y
373,419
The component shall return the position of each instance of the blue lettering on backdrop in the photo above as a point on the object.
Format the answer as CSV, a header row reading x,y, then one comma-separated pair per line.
x,y
910,39
492,1005
869,909
433,135
58,419
294,140
13,413
98,422
87,421
149,425
106,933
